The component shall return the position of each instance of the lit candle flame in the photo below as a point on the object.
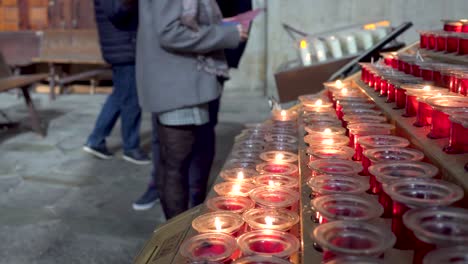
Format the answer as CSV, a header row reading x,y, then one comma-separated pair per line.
x,y
218,224
426,88
327,131
283,113
339,84
303,44
236,189
439,94
271,183
319,102
279,157
328,141
240,175
269,221
344,91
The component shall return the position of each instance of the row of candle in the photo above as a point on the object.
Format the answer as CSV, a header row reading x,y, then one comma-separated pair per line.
x,y
349,43
256,206
446,113
400,185
442,41
460,25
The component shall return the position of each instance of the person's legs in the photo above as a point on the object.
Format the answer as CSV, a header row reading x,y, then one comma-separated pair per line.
x,y
172,180
203,156
151,195
105,123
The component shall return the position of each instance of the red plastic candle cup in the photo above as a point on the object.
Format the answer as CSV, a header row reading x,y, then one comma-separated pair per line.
x,y
236,205
463,44
218,222
423,40
401,64
233,188
424,115
453,42
455,254
238,174
377,80
437,227
320,130
440,126
346,207
441,41
280,138
326,185
261,260
400,98
349,238
334,167
378,141
275,156
462,83
464,25
282,168
274,197
268,243
458,141
390,93
431,45
349,119
282,146
415,91
358,130
272,219
388,172
276,181
452,25
330,152
417,193
426,73
415,70
386,154
326,141
216,247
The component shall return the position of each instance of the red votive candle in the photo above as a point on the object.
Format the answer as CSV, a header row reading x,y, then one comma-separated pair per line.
x,y
436,227
458,142
388,172
278,168
390,93
453,42
276,181
400,98
417,193
331,152
261,260
463,83
432,41
386,154
274,197
440,126
326,140
347,207
216,247
423,40
271,219
464,26
378,141
326,185
421,91
463,44
350,238
218,222
441,41
453,25
447,255
268,243
424,115
236,205
366,129
426,74
334,167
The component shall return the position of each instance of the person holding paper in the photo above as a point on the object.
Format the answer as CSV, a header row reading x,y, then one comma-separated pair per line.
x,y
180,57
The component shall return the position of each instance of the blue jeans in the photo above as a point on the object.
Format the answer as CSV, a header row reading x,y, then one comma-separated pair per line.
x,y
122,102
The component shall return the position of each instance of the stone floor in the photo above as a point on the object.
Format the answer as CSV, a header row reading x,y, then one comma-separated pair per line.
x,y
59,205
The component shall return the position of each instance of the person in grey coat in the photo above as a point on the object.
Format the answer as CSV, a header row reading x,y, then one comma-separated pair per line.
x,y
180,58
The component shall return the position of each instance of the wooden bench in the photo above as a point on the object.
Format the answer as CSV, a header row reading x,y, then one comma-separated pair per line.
x,y
22,82
62,48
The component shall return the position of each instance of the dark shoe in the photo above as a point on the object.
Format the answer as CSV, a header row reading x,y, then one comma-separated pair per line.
x,y
137,157
99,152
147,200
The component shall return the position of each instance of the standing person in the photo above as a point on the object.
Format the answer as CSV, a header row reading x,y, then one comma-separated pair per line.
x,y
201,166
117,22
180,56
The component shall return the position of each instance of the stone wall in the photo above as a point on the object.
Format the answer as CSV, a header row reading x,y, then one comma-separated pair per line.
x,y
270,46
